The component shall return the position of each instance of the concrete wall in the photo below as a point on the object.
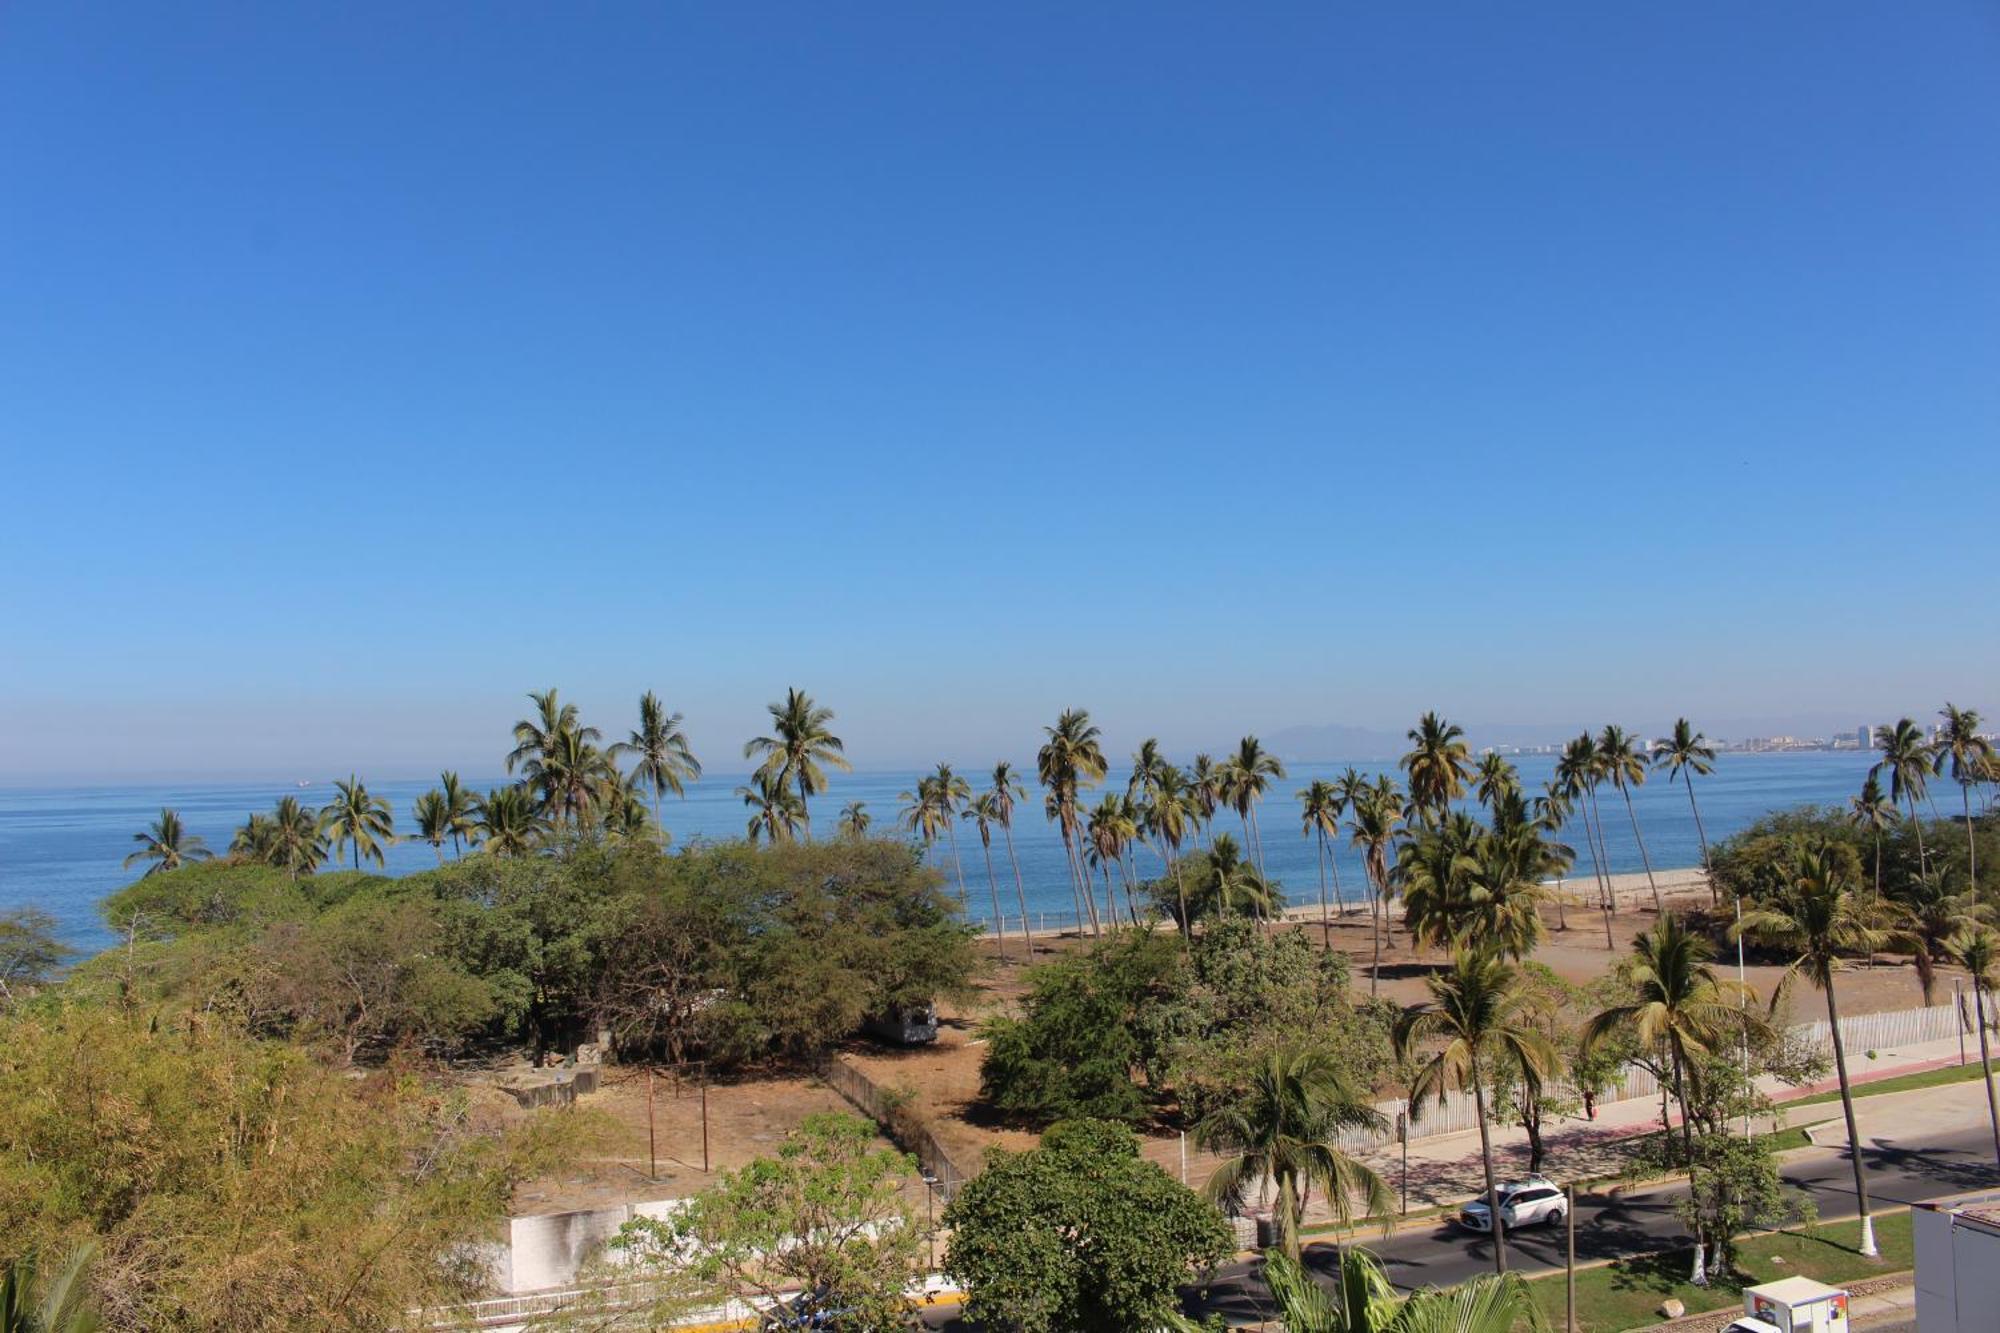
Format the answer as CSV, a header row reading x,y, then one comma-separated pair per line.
x,y
548,1250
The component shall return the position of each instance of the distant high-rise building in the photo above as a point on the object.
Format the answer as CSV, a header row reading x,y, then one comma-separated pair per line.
x,y
1865,738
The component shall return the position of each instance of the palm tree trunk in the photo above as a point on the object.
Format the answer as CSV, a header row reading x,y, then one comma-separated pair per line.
x,y
1288,1218
1714,894
805,811
951,830
1020,892
1110,893
1180,892
1878,864
1378,908
1971,846
1333,859
1486,1160
1847,1108
1600,855
993,885
1923,871
1257,836
1659,907
1986,1064
1325,921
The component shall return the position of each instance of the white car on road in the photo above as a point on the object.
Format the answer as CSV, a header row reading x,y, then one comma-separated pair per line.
x,y
1523,1203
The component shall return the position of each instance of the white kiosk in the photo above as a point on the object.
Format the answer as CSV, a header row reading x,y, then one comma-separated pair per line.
x,y
1793,1305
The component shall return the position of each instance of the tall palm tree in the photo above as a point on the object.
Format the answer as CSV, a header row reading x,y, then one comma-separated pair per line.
x,y
168,845
59,1303
1363,1301
799,744
1576,778
1971,756
1621,759
1320,809
855,819
666,764
1245,778
952,792
1907,756
1503,881
1552,810
1473,1025
1377,816
358,820
1817,919
1285,1128
776,811
1437,766
924,813
460,807
1978,952
1238,886
508,822
1925,918
296,845
983,811
1494,778
1147,762
1876,813
252,841
1687,755
1111,830
534,736
572,778
1205,779
1007,792
1071,759
433,824
1684,1007
1173,815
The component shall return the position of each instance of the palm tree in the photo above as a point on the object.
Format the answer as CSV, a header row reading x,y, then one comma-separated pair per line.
x,y
1364,1302
1907,756
1926,918
855,819
1285,1128
433,824
776,811
1503,880
983,811
1173,814
1620,759
252,841
666,764
1684,1006
1242,781
1494,779
536,736
924,813
1971,756
508,822
358,820
1320,809
1205,779
1006,792
1111,829
572,778
460,807
1978,952
1070,759
626,815
1476,1014
952,792
60,1303
1552,811
1816,918
168,845
1687,755
1873,811
1377,815
1238,886
1147,762
798,745
1437,765
1576,779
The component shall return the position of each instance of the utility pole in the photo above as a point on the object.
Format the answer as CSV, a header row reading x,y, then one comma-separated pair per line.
x,y
652,1146
1958,1004
1403,1134
704,1117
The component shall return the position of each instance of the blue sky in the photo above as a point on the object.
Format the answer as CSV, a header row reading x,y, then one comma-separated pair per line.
x,y
1213,367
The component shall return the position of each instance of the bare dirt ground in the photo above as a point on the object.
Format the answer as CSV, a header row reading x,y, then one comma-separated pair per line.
x,y
749,1117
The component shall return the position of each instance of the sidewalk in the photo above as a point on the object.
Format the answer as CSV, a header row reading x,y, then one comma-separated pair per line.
x,y
1447,1169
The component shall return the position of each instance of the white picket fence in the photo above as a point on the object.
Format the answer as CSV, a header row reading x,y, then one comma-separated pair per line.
x,y
1860,1032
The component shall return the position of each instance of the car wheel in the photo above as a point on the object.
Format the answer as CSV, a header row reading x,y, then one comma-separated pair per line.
x,y
1556,1216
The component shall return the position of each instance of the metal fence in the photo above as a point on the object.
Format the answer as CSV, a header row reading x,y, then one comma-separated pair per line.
x,y
891,1110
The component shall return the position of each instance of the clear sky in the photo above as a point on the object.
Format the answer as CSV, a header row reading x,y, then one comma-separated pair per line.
x,y
1214,367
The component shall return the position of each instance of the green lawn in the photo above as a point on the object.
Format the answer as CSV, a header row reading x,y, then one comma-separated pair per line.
x,y
1930,1078
1627,1294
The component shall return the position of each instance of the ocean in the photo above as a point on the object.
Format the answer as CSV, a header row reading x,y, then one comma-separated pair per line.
x,y
61,848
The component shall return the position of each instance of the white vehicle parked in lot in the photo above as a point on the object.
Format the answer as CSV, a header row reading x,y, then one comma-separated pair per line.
x,y
1523,1203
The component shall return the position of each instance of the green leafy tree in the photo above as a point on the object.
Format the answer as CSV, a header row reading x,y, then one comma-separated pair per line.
x,y
665,762
358,820
1473,1023
827,1215
168,845
1815,917
1284,1129
1079,1233
31,953
799,750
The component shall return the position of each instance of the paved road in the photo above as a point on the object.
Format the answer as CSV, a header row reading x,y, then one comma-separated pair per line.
x,y
1898,1173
